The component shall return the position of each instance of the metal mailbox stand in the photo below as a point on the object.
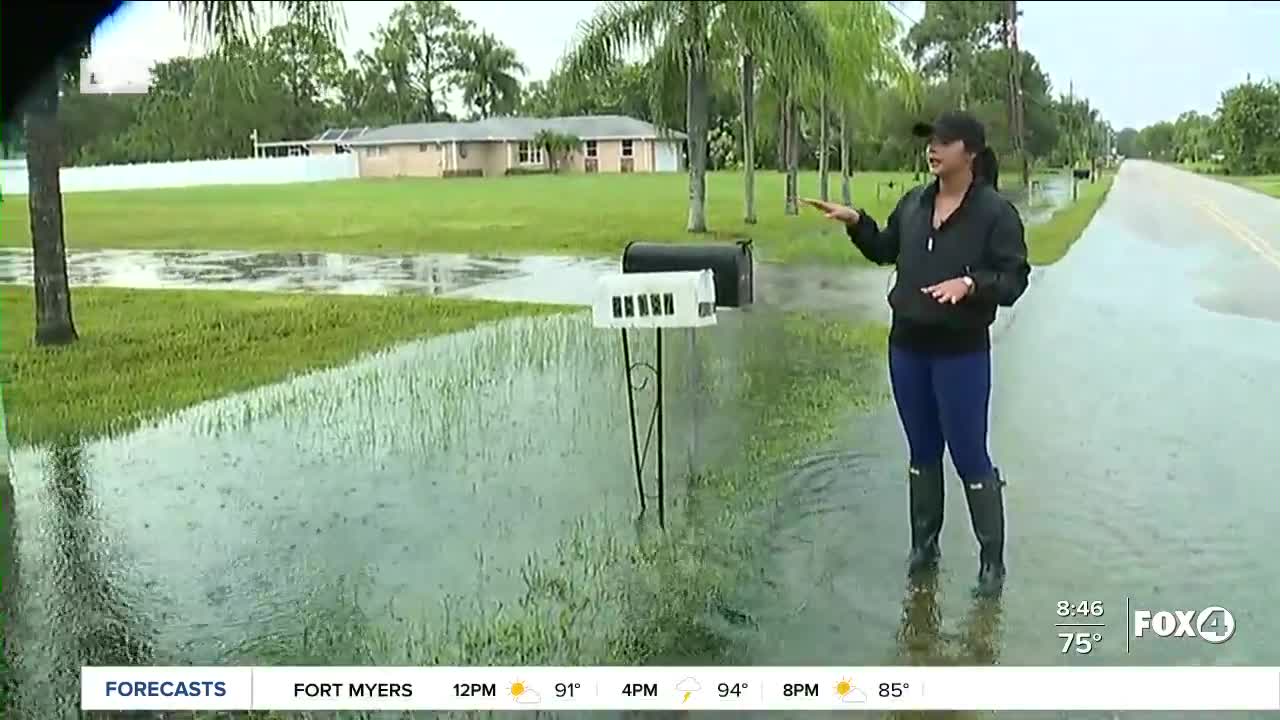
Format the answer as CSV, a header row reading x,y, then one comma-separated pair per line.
x,y
663,286
655,418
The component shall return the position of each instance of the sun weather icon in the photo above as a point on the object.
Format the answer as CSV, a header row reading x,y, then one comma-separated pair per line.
x,y
848,693
524,694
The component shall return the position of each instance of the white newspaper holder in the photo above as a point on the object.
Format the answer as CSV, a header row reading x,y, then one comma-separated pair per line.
x,y
685,299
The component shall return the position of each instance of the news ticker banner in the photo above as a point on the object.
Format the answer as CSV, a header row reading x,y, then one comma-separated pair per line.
x,y
679,688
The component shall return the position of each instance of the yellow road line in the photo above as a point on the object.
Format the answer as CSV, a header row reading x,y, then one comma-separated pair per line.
x,y
1242,232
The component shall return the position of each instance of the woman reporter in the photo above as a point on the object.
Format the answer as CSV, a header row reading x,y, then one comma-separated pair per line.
x,y
960,253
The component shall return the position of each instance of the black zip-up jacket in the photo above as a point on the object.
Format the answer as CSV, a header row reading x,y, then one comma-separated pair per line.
x,y
983,239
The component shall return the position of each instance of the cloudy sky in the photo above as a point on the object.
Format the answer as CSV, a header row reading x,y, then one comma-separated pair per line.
x,y
1140,62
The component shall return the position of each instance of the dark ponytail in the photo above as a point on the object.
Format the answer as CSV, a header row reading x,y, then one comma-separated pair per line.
x,y
986,168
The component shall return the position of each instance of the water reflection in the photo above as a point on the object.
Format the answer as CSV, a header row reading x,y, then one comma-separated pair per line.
x,y
336,273
923,641
90,615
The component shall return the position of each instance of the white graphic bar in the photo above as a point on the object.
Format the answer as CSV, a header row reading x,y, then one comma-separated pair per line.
x,y
680,688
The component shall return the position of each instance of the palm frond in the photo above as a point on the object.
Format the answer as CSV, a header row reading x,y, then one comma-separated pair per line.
x,y
220,23
617,28
786,36
668,75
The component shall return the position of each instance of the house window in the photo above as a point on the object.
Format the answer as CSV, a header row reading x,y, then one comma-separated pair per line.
x,y
462,150
592,149
527,154
424,147
627,149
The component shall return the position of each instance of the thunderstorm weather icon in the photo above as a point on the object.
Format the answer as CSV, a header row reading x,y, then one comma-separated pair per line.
x,y
688,686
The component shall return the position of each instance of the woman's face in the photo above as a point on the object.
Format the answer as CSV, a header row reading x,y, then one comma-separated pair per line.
x,y
946,158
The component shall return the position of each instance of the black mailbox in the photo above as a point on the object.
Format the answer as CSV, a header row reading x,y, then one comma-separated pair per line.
x,y
730,265
1081,173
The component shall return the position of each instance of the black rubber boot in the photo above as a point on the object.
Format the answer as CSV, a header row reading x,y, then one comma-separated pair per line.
x,y
986,509
926,517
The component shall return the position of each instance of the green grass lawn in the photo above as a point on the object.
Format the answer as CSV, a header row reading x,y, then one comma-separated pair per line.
x,y
570,215
144,353
150,352
1048,242
1265,184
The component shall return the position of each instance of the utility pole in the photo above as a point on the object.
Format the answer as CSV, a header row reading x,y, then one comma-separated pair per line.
x,y
1071,139
1017,124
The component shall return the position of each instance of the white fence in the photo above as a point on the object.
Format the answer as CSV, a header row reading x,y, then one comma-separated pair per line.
x,y
245,171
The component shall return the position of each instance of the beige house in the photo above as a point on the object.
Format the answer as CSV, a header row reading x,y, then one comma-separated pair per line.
x,y
504,146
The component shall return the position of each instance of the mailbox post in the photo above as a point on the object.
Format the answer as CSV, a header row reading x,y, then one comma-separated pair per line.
x,y
667,286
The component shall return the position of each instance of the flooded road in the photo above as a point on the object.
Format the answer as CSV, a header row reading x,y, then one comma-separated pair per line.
x,y
1133,415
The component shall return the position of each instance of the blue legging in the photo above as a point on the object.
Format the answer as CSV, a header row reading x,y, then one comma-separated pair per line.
x,y
943,401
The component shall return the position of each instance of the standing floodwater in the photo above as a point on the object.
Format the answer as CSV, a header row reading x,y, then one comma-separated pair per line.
x,y
469,498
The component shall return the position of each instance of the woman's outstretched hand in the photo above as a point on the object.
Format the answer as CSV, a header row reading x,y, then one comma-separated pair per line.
x,y
832,211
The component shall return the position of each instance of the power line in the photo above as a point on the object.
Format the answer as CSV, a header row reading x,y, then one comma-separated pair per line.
x,y
903,13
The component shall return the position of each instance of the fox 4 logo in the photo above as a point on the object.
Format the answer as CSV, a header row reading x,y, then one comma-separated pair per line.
x,y
1213,624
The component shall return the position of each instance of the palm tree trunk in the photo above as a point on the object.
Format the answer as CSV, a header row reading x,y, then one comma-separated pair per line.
x,y
748,138
783,135
824,191
54,325
696,113
793,156
846,192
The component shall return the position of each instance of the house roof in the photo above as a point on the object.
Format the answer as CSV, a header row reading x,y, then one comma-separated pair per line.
x,y
589,127
333,135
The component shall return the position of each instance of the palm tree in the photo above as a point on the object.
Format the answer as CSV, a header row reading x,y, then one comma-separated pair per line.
x,y
677,35
796,81
865,62
768,35
54,322
556,146
227,24
484,72
681,37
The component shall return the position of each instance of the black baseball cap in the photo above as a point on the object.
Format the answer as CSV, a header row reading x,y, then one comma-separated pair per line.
x,y
952,126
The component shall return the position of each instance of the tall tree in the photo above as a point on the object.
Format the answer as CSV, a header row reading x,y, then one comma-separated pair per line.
x,y
684,38
485,71
305,60
948,38
864,65
767,36
678,35
618,88
223,21
1248,116
421,46
54,322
